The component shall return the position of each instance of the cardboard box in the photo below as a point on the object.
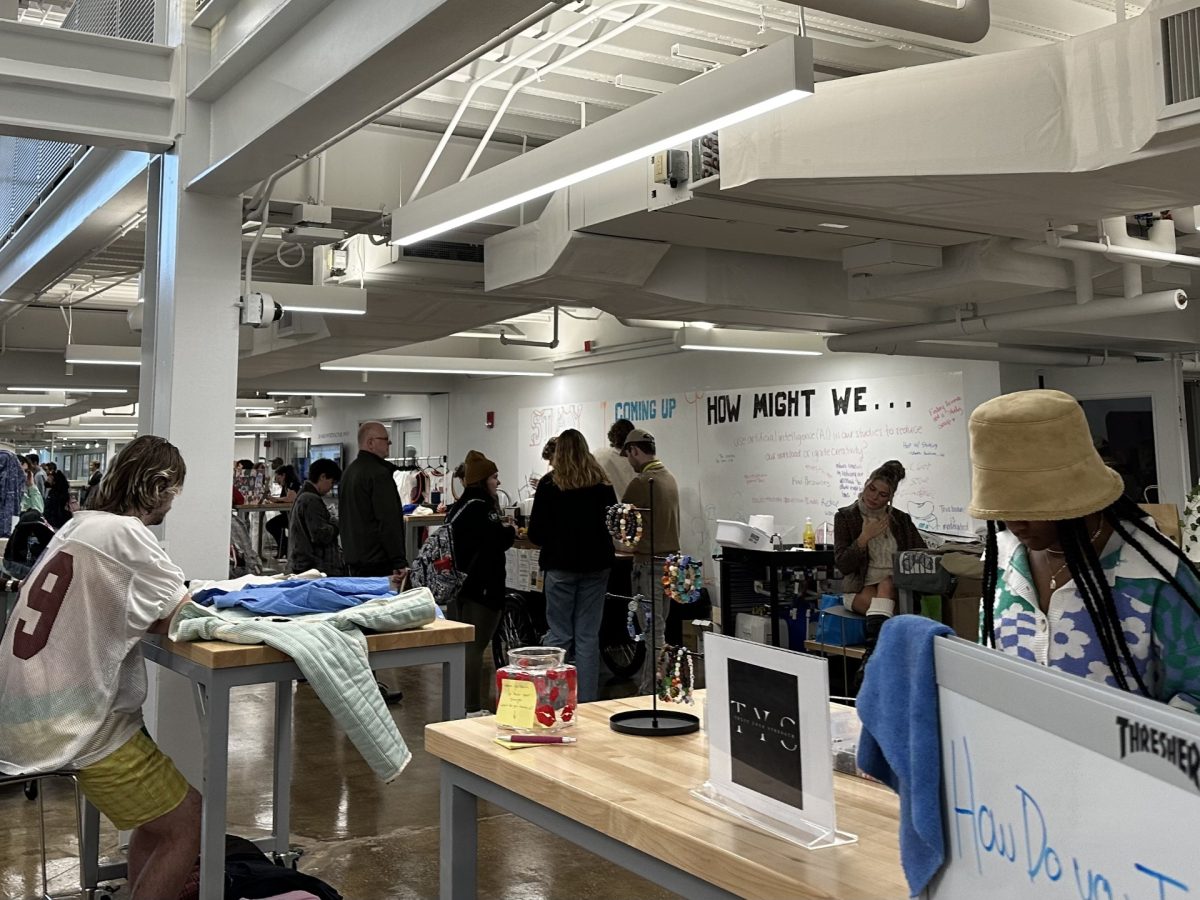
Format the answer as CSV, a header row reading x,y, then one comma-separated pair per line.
x,y
1166,516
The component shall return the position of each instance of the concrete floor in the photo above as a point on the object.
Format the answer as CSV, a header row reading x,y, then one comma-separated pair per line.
x,y
369,840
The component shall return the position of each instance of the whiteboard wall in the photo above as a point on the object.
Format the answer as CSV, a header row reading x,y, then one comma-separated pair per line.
x,y
1057,787
792,451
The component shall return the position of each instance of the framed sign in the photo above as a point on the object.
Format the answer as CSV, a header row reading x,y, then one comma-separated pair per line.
x,y
769,743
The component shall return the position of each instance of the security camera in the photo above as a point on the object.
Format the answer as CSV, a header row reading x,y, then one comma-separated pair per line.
x,y
259,310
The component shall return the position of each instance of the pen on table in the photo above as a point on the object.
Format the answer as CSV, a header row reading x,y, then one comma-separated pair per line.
x,y
535,739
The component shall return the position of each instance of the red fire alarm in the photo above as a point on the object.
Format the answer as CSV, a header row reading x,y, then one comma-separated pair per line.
x,y
489,419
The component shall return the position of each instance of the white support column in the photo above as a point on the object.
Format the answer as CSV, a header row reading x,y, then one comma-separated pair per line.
x,y
189,384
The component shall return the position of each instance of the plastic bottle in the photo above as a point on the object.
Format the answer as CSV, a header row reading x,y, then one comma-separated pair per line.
x,y
810,535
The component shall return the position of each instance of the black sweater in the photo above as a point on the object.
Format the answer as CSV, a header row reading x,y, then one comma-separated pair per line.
x,y
569,526
480,541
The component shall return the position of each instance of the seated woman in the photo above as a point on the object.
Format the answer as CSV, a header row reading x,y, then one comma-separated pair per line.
x,y
867,535
1076,576
277,526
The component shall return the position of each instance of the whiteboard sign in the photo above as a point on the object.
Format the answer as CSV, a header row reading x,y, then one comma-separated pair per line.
x,y
1057,787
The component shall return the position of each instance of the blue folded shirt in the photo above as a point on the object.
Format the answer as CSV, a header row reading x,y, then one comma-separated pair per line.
x,y
298,597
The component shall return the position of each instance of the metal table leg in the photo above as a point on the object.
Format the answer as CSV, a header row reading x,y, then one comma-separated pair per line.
x,y
282,807
459,841
89,850
216,776
454,683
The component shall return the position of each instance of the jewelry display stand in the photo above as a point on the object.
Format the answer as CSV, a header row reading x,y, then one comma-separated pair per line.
x,y
654,722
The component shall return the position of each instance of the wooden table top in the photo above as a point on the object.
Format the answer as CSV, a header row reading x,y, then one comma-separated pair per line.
x,y
637,790
263,507
431,519
225,655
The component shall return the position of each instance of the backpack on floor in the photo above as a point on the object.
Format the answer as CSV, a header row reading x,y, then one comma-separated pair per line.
x,y
435,567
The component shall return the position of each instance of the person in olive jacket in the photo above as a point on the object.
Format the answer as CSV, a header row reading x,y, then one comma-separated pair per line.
x,y
568,523
369,511
481,538
313,535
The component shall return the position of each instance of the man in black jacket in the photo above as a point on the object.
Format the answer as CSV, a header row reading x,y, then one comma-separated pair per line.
x,y
369,511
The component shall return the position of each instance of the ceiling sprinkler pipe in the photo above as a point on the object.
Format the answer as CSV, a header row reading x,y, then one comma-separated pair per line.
x,y
968,23
1106,308
992,353
1057,246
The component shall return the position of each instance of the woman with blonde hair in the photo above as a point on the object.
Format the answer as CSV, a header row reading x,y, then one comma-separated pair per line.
x,y
567,522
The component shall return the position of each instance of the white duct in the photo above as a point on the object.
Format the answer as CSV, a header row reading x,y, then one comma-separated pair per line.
x,y
1107,308
968,23
993,353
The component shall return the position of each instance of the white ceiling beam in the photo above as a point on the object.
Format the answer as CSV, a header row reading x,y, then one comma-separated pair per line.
x,y
104,190
86,88
348,63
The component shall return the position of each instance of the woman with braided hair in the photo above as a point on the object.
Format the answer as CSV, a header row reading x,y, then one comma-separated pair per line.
x,y
1076,576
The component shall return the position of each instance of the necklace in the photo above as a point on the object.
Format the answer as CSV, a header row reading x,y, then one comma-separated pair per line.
x,y
1055,574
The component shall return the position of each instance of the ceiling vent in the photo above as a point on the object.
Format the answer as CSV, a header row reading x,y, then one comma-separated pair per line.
x,y
450,251
1179,36
890,258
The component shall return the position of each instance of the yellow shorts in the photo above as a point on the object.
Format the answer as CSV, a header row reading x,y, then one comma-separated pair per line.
x,y
135,784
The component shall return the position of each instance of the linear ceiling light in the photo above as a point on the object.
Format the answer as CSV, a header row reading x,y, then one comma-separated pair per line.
x,y
775,76
330,300
72,390
103,355
439,365
738,341
314,393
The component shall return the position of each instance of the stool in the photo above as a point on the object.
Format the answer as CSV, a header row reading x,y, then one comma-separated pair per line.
x,y
842,613
34,779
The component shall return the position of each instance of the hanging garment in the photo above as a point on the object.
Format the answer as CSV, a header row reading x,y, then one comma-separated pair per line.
x,y
12,490
330,650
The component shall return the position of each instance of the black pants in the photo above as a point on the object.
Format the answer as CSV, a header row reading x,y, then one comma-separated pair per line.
x,y
277,527
369,570
485,619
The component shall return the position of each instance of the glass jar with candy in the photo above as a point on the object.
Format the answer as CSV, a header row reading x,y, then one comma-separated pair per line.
x,y
555,681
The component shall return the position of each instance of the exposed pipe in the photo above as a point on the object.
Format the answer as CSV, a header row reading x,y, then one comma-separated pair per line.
x,y
1056,245
1082,264
506,341
1107,308
968,23
1022,355
539,71
1131,279
700,7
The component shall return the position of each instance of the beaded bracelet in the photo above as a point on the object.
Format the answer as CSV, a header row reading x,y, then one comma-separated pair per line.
x,y
682,578
631,624
625,524
676,677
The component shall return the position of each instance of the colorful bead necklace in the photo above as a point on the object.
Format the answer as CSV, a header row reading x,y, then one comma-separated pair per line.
x,y
682,578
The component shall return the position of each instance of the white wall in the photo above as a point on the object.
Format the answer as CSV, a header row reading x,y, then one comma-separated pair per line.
x,y
669,373
245,448
336,419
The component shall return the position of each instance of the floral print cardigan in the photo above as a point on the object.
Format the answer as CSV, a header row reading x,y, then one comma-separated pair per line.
x,y
1160,627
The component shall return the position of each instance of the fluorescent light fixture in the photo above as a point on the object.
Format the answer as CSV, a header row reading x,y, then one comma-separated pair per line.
x,y
314,393
831,225
103,355
440,365
11,416
727,340
71,390
329,300
703,326
775,76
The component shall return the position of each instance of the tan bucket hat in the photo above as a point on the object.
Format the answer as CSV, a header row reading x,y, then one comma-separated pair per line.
x,y
1032,459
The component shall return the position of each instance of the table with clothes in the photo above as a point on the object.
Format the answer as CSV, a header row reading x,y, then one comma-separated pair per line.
x,y
334,632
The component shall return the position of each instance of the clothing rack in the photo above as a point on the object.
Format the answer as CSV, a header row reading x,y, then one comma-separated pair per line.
x,y
409,463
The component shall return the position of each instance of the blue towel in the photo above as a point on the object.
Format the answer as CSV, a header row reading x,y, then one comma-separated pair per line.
x,y
901,744
299,596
